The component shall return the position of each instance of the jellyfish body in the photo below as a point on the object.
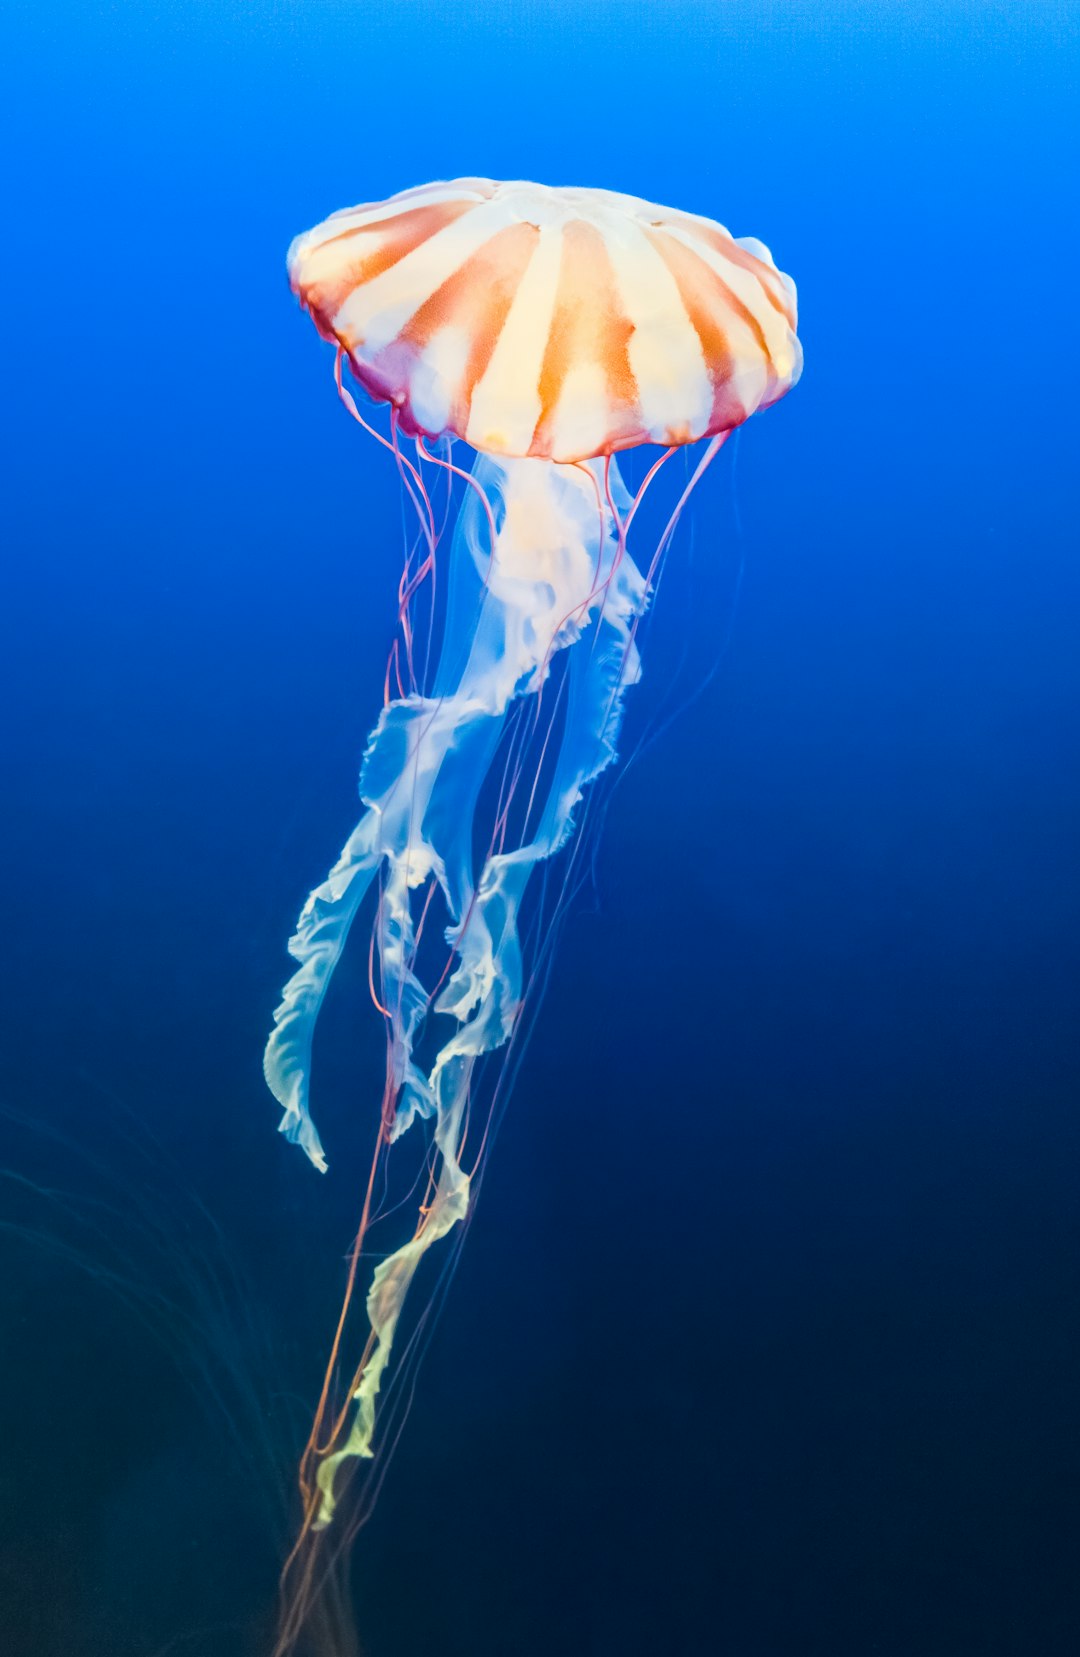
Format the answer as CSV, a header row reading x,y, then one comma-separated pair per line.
x,y
560,323
548,329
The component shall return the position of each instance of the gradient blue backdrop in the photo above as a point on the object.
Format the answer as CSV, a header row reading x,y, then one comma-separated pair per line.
x,y
764,1342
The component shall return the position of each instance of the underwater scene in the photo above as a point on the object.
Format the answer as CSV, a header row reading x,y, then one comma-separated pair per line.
x,y
540,1105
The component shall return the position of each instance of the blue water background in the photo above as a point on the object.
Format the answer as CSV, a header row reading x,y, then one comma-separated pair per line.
x,y
764,1341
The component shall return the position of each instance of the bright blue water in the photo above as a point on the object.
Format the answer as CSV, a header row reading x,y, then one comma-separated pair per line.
x,y
764,1341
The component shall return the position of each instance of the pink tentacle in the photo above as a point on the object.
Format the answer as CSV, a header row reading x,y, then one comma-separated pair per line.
x,y
436,460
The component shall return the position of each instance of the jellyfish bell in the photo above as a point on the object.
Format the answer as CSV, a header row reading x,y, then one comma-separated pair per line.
x,y
559,323
549,330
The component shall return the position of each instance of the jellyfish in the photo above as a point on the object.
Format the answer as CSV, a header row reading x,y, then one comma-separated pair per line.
x,y
548,330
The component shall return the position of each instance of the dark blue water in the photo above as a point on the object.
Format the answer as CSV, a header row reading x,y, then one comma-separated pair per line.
x,y
764,1342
